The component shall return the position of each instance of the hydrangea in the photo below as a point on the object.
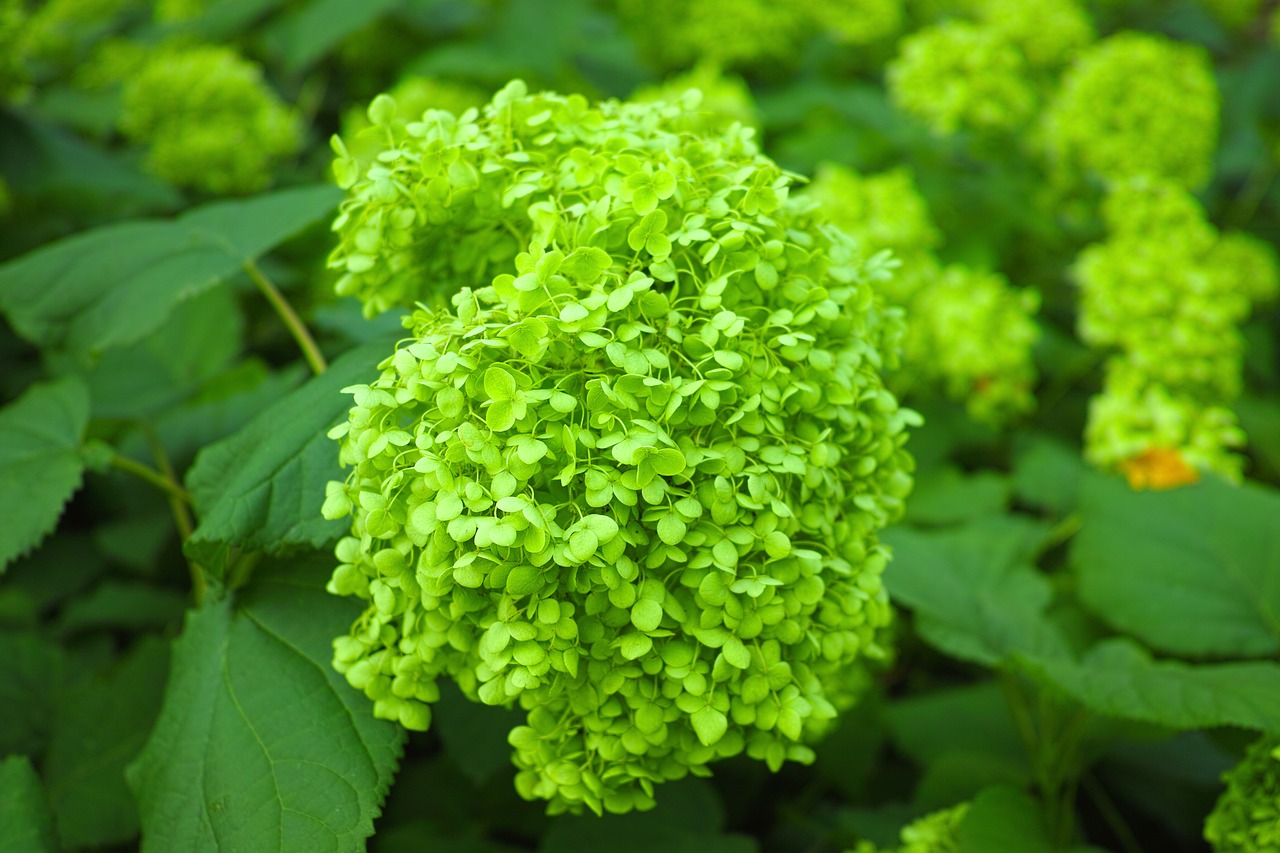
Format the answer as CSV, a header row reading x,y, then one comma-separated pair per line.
x,y
973,333
937,832
1137,104
1168,293
968,331
724,98
1246,818
958,75
413,96
209,119
1049,33
632,486
856,22
728,33
1157,436
1152,291
454,198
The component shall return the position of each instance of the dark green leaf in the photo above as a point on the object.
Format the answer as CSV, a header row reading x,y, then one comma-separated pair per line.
x,y
1048,474
1192,571
971,719
123,605
260,743
40,466
974,590
311,31
111,286
262,487
30,674
474,735
25,823
949,497
1118,678
687,819
1004,819
98,728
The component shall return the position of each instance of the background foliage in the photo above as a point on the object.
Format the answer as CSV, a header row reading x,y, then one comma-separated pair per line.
x,y
1078,660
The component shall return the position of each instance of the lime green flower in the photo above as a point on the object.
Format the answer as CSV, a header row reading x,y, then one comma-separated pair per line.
x,y
727,33
958,75
1246,818
208,118
1236,14
937,832
1137,104
633,486
856,22
725,98
1049,33
969,332
413,96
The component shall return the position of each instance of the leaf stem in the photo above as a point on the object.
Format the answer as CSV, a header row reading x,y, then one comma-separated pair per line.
x,y
297,328
181,511
1110,814
155,478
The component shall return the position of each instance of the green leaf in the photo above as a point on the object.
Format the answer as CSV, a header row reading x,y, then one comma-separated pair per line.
x,y
128,605
25,822
474,735
262,487
950,497
40,467
709,724
30,674
499,384
689,818
259,738
1190,571
1004,818
1119,679
111,286
313,29
976,594
1049,474
973,719
98,728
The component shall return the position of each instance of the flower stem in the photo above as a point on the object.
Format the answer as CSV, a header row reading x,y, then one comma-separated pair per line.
x,y
297,328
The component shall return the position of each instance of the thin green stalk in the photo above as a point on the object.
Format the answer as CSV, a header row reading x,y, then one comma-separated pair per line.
x,y
310,351
1111,815
155,478
182,517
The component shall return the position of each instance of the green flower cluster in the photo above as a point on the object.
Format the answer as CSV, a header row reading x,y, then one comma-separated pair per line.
x,y
937,832
634,485
454,198
957,75
1236,14
1246,818
413,96
856,22
1169,293
725,98
1136,104
968,331
209,119
1048,33
741,33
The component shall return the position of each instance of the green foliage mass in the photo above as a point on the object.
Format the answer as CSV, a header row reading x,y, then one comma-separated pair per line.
x,y
1168,293
972,333
1137,104
617,483
1246,818
208,119
959,75
634,487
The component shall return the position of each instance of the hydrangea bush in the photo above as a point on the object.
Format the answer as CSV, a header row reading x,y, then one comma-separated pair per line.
x,y
634,484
